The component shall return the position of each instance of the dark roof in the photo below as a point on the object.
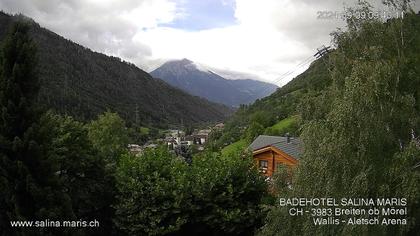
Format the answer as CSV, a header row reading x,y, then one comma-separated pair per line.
x,y
293,148
189,138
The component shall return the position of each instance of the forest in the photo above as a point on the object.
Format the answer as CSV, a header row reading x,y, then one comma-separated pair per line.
x,y
79,82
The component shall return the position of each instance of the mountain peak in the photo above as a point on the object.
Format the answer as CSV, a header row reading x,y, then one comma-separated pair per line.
x,y
185,65
199,80
182,62
186,60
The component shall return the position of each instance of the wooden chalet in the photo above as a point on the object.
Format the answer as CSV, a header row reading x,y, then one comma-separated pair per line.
x,y
271,151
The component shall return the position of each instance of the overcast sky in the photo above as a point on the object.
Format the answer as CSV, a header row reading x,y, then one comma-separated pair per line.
x,y
264,37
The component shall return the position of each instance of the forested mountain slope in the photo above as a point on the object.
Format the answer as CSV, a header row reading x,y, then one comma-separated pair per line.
x,y
82,83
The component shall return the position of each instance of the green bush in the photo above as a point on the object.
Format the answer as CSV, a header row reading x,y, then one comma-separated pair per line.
x,y
161,194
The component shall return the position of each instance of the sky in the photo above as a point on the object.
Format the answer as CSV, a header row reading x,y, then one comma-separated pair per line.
x,y
265,38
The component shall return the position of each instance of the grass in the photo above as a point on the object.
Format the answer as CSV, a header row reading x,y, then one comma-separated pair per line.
x,y
238,146
282,126
144,130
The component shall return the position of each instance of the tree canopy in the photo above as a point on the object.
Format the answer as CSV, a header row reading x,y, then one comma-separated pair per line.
x,y
364,142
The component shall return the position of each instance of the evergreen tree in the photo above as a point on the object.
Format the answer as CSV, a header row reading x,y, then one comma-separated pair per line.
x,y
29,187
82,173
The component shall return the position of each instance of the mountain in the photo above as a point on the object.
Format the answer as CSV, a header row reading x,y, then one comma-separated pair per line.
x,y
82,83
201,81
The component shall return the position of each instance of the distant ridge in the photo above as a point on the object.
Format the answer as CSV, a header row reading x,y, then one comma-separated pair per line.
x,y
199,80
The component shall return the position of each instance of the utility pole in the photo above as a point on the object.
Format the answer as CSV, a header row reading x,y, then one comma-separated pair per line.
x,y
322,51
182,123
136,113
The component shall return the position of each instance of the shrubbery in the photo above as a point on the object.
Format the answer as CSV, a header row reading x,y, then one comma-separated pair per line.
x,y
160,193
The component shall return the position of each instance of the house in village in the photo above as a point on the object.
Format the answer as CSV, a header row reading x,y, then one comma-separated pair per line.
x,y
135,149
189,140
202,136
200,139
180,139
271,151
219,126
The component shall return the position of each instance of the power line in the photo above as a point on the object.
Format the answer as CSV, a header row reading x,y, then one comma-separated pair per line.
x,y
290,72
323,50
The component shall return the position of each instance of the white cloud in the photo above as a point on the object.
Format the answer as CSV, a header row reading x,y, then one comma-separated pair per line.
x,y
270,38
255,45
107,26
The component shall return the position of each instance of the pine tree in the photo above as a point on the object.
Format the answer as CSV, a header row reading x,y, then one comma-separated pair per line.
x,y
29,187
82,172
